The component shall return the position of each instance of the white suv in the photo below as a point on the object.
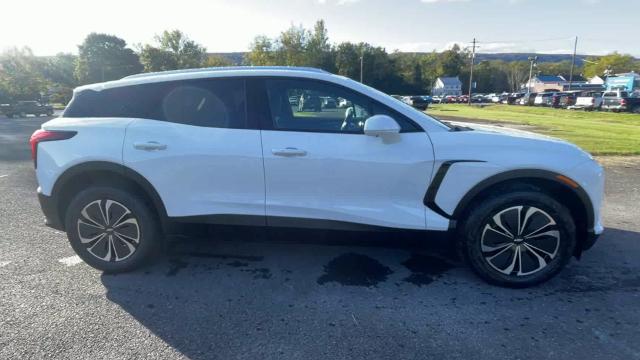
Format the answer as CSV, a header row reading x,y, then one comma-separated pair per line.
x,y
130,160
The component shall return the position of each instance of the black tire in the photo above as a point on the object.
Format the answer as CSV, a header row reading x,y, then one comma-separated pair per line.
x,y
636,110
102,253
478,238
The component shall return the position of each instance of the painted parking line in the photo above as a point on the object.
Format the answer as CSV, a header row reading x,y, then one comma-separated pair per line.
x,y
1,176
4,263
70,261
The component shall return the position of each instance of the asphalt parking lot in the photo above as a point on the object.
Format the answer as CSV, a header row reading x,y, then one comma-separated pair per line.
x,y
286,294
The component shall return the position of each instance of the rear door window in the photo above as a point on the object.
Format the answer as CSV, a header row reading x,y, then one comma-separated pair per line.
x,y
202,102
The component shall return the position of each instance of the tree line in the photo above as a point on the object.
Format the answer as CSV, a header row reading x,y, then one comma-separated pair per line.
x,y
104,57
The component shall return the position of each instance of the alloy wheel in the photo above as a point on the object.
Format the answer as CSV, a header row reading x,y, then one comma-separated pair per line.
x,y
520,240
108,230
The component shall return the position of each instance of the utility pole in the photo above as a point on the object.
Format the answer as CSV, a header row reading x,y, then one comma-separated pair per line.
x,y
573,63
473,57
361,65
533,60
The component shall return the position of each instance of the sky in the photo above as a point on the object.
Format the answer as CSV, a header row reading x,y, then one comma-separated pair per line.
x,y
544,26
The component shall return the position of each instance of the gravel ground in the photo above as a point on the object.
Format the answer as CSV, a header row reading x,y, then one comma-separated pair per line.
x,y
286,294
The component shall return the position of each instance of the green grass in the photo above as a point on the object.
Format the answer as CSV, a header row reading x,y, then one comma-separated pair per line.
x,y
600,133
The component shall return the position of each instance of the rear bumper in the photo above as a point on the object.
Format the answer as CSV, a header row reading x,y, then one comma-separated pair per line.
x,y
614,107
49,207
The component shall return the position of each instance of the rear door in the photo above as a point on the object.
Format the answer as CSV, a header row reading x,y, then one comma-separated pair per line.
x,y
194,144
319,165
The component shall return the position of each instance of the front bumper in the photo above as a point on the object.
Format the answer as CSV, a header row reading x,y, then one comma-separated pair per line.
x,y
49,207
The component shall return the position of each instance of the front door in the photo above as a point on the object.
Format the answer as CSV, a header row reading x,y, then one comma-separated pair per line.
x,y
320,165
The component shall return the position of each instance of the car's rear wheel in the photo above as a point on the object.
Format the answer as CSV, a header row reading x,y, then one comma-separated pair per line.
x,y
112,230
518,239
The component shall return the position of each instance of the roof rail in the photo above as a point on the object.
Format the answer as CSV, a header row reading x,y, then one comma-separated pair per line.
x,y
225,68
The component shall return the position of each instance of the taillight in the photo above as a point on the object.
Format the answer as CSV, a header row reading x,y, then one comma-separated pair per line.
x,y
46,135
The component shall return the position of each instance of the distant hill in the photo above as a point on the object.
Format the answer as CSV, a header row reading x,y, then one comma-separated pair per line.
x,y
509,57
235,57
238,57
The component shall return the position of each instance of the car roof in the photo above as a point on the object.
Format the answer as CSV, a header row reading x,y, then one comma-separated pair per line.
x,y
230,71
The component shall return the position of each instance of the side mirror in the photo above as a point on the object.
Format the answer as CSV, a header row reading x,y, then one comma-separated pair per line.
x,y
381,125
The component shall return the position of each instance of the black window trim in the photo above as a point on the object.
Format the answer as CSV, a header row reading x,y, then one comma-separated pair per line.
x,y
267,121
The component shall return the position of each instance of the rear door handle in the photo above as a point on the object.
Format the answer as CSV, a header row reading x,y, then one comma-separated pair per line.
x,y
290,151
149,146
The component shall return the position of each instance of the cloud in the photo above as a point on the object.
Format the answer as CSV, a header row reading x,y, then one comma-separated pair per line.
x,y
338,2
436,1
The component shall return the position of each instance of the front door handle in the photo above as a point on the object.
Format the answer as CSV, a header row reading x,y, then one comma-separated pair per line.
x,y
290,151
149,146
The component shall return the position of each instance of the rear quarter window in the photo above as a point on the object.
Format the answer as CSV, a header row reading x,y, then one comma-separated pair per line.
x,y
202,102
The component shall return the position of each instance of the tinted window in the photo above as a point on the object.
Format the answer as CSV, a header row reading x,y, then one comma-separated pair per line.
x,y
307,105
203,102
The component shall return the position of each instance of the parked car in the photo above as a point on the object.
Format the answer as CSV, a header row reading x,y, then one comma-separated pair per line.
x,y
620,101
450,99
463,99
436,99
477,98
528,99
566,99
329,103
514,98
588,101
543,99
418,102
293,100
310,101
24,108
131,160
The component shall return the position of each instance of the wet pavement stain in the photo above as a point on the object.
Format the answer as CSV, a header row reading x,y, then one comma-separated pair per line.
x,y
237,264
425,269
353,269
175,266
224,256
261,273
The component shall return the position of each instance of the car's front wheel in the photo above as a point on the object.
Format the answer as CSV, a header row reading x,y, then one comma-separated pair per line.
x,y
111,229
518,239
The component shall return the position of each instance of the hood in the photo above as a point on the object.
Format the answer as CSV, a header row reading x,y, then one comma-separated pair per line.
x,y
496,129
505,146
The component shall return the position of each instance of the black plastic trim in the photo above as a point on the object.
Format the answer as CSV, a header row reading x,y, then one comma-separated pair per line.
x,y
278,221
94,166
49,208
432,191
526,174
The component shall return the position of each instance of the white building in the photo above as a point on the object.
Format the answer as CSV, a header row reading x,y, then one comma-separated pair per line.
x,y
447,86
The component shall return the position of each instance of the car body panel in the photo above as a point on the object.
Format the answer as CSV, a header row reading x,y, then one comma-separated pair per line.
x,y
98,139
203,170
348,177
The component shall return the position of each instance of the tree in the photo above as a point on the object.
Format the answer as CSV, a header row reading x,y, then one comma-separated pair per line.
x,y
103,57
616,63
517,74
59,71
261,52
291,47
174,50
20,76
295,46
452,61
218,61
318,49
